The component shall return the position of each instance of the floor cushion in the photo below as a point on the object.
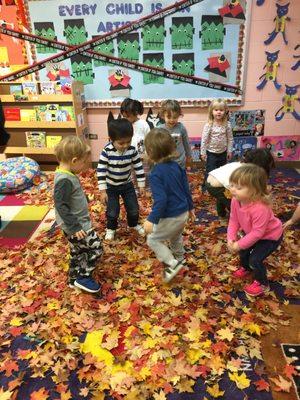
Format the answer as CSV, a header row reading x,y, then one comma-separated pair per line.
x,y
18,173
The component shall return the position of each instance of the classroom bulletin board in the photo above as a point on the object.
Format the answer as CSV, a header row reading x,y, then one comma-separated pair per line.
x,y
207,40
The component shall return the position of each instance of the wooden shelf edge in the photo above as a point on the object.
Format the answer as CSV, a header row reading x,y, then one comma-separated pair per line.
x,y
29,150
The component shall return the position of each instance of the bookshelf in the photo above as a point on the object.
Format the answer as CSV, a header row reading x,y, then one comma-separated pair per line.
x,y
17,144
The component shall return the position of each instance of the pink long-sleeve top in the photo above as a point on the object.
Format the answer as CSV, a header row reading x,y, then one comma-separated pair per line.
x,y
256,220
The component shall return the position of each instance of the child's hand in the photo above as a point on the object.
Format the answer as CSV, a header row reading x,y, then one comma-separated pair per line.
x,y
229,156
103,196
148,227
287,224
192,216
80,234
233,247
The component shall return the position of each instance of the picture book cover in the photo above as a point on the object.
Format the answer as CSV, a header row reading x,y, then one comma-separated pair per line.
x,y
52,140
29,88
247,122
15,89
41,113
195,143
66,113
47,87
35,138
12,113
28,114
51,113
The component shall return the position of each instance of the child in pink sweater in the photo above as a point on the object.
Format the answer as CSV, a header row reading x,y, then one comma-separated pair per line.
x,y
250,213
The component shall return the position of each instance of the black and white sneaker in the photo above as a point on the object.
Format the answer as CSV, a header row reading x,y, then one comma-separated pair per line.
x,y
171,272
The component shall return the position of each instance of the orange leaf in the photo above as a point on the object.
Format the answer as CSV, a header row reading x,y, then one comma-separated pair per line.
x,y
41,394
289,371
282,385
262,385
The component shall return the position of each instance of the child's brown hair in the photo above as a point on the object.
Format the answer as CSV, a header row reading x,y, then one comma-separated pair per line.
x,y
218,104
170,107
71,147
253,177
160,146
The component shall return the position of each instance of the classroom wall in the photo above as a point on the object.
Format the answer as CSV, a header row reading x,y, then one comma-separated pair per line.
x,y
269,98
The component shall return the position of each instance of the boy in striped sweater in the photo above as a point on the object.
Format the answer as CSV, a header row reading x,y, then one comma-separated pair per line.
x,y
114,177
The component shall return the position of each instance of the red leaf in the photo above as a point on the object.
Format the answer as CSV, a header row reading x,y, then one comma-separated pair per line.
x,y
9,367
262,385
289,371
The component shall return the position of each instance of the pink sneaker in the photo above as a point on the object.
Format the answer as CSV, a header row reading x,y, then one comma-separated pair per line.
x,y
241,273
255,289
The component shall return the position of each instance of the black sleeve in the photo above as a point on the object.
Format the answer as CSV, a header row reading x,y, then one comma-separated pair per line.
x,y
62,194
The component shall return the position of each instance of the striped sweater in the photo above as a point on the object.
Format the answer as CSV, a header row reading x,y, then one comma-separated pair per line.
x,y
114,168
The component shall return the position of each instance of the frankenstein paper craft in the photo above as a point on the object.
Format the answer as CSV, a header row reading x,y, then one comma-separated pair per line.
x,y
184,64
128,46
154,60
153,35
271,67
212,32
45,30
182,31
82,69
280,23
107,48
74,31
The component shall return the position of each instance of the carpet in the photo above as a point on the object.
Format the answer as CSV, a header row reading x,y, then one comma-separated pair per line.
x,y
19,220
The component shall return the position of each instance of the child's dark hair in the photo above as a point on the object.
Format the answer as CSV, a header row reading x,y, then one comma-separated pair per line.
x,y
170,107
120,129
131,107
160,146
261,157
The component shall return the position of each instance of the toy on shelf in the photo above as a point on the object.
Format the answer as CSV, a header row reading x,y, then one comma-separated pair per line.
x,y
289,100
280,23
271,67
296,66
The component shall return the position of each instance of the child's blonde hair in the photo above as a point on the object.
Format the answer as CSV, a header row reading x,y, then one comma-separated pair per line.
x,y
253,177
160,146
170,107
71,147
218,104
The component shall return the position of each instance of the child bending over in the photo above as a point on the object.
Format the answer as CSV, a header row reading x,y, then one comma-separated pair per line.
x,y
251,213
71,211
114,177
172,202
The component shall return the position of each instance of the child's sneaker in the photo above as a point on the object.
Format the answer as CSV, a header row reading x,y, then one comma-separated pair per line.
x,y
241,273
71,283
171,272
88,284
110,234
140,230
256,289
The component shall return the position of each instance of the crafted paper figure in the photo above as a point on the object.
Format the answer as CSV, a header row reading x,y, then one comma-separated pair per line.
x,y
280,23
153,35
271,67
82,69
218,65
212,32
184,64
75,31
45,30
289,100
182,31
154,120
128,46
234,11
119,83
107,48
57,71
154,60
297,65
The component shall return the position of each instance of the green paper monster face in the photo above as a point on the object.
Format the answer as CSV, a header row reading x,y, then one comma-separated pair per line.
x,y
182,35
45,30
150,78
107,48
83,72
129,50
75,35
153,37
212,34
185,66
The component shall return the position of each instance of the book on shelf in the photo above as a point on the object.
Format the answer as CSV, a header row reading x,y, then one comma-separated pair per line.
x,y
29,88
65,113
15,89
52,140
35,138
51,112
47,87
28,114
12,113
58,87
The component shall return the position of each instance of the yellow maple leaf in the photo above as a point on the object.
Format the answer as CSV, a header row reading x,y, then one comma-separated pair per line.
x,y
159,396
144,372
174,300
225,333
215,391
193,334
253,328
242,382
16,321
7,395
92,344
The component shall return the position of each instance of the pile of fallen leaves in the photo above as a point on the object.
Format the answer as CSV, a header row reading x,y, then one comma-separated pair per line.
x,y
141,339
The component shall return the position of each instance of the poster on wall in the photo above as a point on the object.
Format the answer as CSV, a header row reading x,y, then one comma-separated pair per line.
x,y
207,39
195,143
284,148
247,122
242,144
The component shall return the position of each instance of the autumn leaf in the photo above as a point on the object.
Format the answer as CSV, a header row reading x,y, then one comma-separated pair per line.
x,y
41,394
282,385
242,382
159,396
5,395
262,385
9,367
215,391
289,371
225,333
